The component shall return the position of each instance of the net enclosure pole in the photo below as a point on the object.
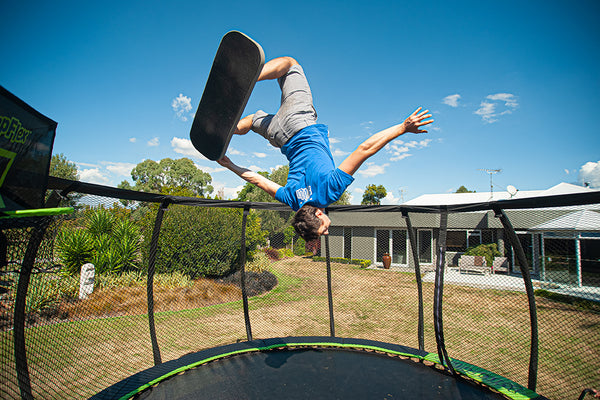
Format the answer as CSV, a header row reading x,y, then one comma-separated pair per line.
x,y
20,346
329,288
524,266
438,293
243,274
150,283
35,240
415,254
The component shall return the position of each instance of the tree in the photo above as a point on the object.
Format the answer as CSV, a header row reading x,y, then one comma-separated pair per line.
x,y
344,199
272,221
163,176
60,167
373,195
463,189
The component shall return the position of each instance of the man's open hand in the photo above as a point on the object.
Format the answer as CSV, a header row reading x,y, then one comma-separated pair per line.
x,y
417,120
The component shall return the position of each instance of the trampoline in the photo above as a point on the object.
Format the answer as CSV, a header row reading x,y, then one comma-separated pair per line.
x,y
314,368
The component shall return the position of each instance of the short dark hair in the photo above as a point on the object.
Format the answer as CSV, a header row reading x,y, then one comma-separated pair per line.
x,y
306,223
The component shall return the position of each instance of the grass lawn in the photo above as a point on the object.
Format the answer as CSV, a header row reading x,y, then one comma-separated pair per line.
x,y
489,328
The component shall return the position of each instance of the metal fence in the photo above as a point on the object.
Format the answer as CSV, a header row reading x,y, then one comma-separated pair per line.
x,y
168,282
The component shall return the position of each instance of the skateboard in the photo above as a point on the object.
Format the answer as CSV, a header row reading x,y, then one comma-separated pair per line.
x,y
234,72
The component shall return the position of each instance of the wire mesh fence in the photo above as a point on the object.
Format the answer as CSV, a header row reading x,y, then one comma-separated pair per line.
x,y
84,333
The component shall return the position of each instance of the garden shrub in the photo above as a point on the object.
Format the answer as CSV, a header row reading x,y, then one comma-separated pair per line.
x,y
199,241
285,253
299,247
489,251
110,243
256,283
259,262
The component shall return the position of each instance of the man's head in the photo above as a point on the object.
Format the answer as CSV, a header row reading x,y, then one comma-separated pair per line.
x,y
311,222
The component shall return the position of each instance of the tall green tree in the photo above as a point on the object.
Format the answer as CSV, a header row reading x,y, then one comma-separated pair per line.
x,y
167,174
272,221
463,189
373,195
61,167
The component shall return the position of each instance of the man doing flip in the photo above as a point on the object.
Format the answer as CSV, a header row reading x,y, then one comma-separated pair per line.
x,y
313,181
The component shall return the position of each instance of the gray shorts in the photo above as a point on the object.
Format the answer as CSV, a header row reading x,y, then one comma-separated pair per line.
x,y
295,113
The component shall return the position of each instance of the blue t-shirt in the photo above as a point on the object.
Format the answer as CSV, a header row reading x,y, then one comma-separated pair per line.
x,y
313,178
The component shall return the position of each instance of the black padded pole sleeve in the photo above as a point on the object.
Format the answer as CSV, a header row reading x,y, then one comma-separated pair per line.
x,y
329,288
37,235
524,266
243,274
415,254
150,282
438,293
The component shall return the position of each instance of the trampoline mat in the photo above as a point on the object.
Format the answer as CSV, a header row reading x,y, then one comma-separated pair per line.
x,y
312,373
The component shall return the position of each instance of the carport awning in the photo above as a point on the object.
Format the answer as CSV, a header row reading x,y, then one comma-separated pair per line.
x,y
578,221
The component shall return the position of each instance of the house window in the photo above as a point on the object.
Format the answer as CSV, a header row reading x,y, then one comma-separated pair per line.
x,y
425,246
392,241
473,238
347,242
456,241
460,241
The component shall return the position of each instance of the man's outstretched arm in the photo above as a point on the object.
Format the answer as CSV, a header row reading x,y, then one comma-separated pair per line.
x,y
250,176
376,142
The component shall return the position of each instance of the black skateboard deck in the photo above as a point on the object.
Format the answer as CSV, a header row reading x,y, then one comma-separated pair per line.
x,y
234,72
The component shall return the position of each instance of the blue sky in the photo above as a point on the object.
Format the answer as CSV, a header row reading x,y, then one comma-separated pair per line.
x,y
512,85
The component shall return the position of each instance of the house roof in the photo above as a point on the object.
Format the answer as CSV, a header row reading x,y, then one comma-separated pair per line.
x,y
582,220
467,198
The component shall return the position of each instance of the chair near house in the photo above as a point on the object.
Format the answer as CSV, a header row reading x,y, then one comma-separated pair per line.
x,y
500,264
473,264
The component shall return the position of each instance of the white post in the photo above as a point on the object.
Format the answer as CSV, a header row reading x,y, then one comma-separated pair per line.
x,y
86,280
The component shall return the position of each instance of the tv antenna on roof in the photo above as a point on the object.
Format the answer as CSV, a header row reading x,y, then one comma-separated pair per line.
x,y
491,172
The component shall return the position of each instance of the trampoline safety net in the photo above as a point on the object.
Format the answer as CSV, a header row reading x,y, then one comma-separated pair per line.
x,y
132,280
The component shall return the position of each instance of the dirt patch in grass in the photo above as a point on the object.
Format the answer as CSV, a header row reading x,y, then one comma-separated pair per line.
x,y
133,300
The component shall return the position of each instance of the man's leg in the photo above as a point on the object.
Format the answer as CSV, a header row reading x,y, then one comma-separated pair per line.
x,y
273,69
276,68
244,125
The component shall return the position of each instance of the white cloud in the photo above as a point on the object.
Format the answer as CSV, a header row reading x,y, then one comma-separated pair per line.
x,y
153,142
182,106
229,192
399,150
185,147
367,126
451,100
119,168
255,168
333,140
488,110
390,199
235,152
590,173
94,175
509,99
339,153
372,170
133,140
260,155
211,170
